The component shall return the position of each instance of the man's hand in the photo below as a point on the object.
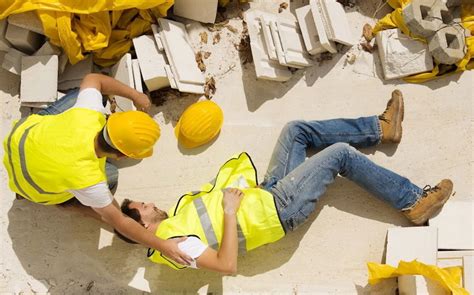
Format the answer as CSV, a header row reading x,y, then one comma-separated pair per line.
x,y
142,102
231,200
170,249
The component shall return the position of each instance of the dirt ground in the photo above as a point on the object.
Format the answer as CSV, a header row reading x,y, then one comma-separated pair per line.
x,y
47,250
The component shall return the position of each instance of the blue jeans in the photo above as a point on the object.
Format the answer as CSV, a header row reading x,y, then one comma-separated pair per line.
x,y
297,183
65,103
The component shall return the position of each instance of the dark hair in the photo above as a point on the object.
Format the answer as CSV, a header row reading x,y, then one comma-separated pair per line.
x,y
104,146
133,214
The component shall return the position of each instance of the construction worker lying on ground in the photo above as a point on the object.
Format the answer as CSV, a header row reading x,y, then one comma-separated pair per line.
x,y
58,156
235,214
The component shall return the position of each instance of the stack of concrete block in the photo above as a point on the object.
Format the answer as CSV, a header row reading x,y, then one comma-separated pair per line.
x,y
202,11
39,80
324,22
73,74
402,56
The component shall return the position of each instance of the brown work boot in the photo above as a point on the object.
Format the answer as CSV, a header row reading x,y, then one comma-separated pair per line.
x,y
391,119
430,203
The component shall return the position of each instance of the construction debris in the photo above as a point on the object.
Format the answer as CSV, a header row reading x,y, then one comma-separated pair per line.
x,y
23,39
203,36
12,61
201,11
123,72
39,79
73,74
216,38
28,21
200,62
367,32
282,7
4,44
209,87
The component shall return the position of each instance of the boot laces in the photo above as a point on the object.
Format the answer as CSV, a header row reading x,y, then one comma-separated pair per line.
x,y
382,117
428,189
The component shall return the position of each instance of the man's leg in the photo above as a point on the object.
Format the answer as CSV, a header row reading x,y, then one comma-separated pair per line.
x,y
112,176
61,105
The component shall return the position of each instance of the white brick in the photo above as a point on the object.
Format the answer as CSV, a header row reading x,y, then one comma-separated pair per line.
x,y
309,31
152,63
419,285
171,79
265,68
137,76
24,40
27,20
48,49
316,10
12,61
4,44
336,23
409,243
39,78
123,72
455,225
292,43
402,56
77,71
201,11
278,47
468,273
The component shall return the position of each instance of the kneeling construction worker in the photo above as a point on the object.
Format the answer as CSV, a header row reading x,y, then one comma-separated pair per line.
x,y
234,214
58,156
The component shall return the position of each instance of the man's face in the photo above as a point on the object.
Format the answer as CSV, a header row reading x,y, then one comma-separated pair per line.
x,y
148,212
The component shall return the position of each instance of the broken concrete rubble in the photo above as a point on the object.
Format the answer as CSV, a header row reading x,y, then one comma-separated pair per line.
x,y
289,41
24,40
335,21
309,31
202,11
48,49
12,61
39,78
321,28
4,44
448,45
28,21
425,17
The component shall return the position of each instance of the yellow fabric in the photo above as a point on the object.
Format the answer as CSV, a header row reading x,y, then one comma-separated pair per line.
x,y
59,155
449,277
395,20
257,215
80,27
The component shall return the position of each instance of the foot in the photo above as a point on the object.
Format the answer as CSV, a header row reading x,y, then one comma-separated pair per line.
x,y
391,119
430,203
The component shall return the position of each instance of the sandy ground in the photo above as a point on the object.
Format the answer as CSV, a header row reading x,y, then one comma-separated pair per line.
x,y
47,250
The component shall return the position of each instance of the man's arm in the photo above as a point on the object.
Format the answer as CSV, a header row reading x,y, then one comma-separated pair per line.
x,y
225,260
110,86
131,229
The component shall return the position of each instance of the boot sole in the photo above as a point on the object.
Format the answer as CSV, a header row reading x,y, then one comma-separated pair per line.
x,y
433,210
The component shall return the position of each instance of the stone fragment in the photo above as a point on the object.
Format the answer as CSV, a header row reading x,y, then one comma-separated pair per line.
x,y
122,71
201,11
309,31
425,17
336,23
39,78
321,26
402,56
4,44
448,45
48,49
12,61
28,21
24,40
292,43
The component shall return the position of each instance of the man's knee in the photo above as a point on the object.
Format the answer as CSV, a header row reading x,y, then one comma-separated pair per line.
x,y
293,128
341,147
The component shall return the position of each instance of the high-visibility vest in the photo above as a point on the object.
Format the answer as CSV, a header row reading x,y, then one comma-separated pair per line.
x,y
46,156
201,213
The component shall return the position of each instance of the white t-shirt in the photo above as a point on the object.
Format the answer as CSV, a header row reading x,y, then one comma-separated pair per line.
x,y
97,195
194,247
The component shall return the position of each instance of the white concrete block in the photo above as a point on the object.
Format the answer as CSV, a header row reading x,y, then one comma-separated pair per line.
x,y
316,11
449,262
201,11
39,78
468,273
137,76
265,68
292,43
123,72
455,225
419,285
12,61
454,254
24,40
156,35
278,47
152,63
336,23
171,79
4,44
265,21
77,71
48,49
402,56
179,52
410,243
308,30
28,21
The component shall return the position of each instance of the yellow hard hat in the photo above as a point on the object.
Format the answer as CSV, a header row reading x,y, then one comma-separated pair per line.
x,y
199,124
133,133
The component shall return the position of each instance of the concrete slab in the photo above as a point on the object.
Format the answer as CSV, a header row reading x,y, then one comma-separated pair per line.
x,y
279,48
468,273
309,31
448,45
77,71
12,61
4,44
265,68
48,49
201,11
402,56
265,23
137,76
292,43
156,35
455,225
39,78
321,25
123,72
152,62
336,22
24,40
28,21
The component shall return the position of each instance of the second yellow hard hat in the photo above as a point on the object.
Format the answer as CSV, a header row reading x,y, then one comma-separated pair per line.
x,y
199,124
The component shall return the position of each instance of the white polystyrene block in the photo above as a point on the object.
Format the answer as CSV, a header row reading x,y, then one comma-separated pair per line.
x,y
419,285
309,31
12,61
454,254
292,43
156,35
24,40
410,243
170,75
402,56
455,225
77,71
468,273
39,78
265,21
265,68
28,21
316,11
279,48
4,44
48,49
152,62
123,72
201,11
137,76
336,23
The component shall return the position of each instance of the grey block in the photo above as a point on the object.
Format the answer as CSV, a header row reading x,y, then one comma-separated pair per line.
x,y
24,40
12,61
4,44
425,17
39,78
27,20
48,49
448,45
453,3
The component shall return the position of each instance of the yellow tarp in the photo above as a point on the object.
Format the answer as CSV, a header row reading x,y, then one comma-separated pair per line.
x,y
102,27
449,277
395,20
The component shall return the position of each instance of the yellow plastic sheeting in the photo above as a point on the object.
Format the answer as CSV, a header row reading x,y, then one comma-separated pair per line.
x,y
449,277
395,20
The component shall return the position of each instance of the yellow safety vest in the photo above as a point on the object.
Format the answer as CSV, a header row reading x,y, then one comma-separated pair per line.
x,y
46,156
201,214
